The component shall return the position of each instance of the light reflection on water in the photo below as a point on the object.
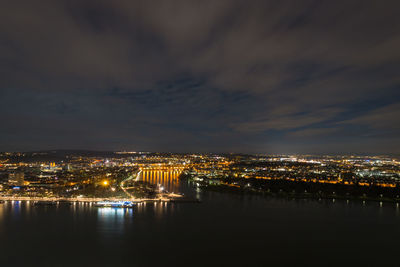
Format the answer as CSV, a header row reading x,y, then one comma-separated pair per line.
x,y
168,179
112,220
16,207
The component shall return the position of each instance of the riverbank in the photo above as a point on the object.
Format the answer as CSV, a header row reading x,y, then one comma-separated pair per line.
x,y
95,200
301,190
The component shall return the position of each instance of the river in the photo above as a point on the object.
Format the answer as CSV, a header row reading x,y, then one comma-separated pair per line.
x,y
223,230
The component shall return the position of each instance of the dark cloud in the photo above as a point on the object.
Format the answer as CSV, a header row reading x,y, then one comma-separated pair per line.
x,y
252,76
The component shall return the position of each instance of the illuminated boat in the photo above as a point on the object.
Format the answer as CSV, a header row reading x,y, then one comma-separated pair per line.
x,y
115,204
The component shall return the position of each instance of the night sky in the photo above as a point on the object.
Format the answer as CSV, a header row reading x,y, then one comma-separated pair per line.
x,y
201,76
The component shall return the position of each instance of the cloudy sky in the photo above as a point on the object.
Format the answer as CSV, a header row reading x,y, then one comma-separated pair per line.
x,y
210,76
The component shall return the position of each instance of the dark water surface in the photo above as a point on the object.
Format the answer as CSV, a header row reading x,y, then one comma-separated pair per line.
x,y
223,230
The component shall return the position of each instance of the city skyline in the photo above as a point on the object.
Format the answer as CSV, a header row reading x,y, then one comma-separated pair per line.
x,y
229,76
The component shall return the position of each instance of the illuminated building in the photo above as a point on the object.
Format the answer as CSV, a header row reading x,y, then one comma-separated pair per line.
x,y
16,178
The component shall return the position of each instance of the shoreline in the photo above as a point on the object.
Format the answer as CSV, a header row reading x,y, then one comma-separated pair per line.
x,y
95,200
298,196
